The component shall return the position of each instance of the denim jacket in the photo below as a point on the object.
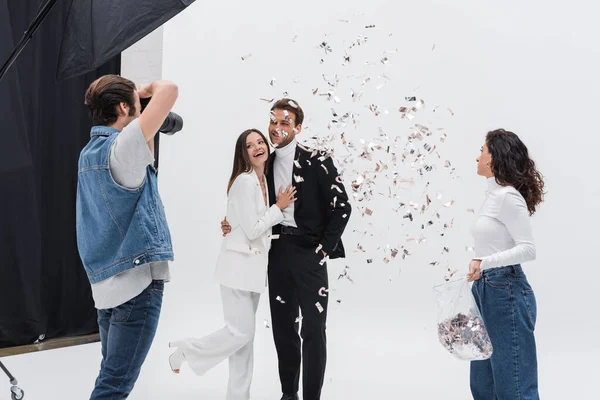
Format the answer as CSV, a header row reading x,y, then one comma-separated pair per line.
x,y
117,228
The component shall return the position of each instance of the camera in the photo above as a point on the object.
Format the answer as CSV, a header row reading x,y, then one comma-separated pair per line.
x,y
171,125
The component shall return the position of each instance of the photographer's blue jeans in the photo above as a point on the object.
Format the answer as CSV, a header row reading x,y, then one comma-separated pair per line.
x,y
126,333
509,311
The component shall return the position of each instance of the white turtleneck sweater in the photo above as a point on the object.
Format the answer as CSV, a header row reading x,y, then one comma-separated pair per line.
x,y
502,230
283,170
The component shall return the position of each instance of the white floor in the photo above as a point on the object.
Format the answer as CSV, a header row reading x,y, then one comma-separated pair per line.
x,y
378,348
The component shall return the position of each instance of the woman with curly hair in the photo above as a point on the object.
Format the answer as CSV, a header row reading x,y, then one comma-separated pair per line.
x,y
503,240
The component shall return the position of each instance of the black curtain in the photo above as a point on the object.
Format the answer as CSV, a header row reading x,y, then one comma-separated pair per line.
x,y
43,127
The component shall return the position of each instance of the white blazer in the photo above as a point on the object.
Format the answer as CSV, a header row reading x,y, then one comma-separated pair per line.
x,y
244,255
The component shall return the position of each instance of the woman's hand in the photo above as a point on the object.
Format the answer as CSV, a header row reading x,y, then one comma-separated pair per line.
x,y
474,271
225,227
285,197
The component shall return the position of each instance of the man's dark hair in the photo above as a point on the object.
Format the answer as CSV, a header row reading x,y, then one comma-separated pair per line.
x,y
105,94
290,106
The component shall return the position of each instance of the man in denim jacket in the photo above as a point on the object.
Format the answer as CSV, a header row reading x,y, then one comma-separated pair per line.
x,y
122,232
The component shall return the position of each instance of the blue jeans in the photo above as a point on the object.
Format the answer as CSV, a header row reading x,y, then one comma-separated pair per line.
x,y
509,311
126,333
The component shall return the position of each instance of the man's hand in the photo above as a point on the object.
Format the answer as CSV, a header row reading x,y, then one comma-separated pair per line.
x,y
225,227
474,271
145,91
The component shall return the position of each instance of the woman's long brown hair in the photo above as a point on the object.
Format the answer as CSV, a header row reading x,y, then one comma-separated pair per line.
x,y
512,166
241,160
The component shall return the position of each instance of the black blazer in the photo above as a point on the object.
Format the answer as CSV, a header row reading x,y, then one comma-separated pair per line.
x,y
321,210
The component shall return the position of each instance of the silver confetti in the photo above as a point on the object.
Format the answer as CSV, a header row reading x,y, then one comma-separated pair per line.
x,y
336,187
319,307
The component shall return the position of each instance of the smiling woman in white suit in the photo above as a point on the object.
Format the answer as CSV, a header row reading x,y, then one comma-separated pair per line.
x,y
241,268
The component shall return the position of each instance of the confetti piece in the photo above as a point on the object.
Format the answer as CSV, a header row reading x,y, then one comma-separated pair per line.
x,y
266,322
368,211
319,307
323,292
345,274
319,247
369,260
247,56
279,299
326,47
471,210
267,100
324,260
298,178
336,187
272,83
447,205
450,274
298,319
370,26
291,103
325,168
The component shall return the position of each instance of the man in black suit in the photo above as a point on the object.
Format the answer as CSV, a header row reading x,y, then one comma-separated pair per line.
x,y
309,235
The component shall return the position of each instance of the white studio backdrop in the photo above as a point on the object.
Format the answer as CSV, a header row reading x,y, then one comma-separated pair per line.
x,y
530,67
527,67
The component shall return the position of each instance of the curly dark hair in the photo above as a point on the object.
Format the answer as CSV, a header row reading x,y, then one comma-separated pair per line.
x,y
512,166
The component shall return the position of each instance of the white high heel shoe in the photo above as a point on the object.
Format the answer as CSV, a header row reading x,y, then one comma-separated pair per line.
x,y
176,360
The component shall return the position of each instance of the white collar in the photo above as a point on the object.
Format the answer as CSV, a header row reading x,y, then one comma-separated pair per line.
x,y
492,184
290,148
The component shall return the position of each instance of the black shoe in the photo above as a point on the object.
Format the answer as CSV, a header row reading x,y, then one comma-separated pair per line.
x,y
289,397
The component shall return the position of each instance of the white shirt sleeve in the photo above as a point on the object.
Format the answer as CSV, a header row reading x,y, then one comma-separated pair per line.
x,y
129,156
515,216
242,195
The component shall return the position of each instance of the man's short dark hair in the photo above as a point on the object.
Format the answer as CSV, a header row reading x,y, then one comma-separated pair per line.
x,y
105,94
290,106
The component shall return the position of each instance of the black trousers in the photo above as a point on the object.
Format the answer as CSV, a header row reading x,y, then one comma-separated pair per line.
x,y
297,281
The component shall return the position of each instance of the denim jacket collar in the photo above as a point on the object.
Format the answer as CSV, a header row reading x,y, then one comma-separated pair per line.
x,y
103,131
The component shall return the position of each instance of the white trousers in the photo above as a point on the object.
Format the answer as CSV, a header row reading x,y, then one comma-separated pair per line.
x,y
234,341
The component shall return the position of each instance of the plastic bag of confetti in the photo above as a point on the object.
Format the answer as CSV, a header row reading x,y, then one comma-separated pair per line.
x,y
460,326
